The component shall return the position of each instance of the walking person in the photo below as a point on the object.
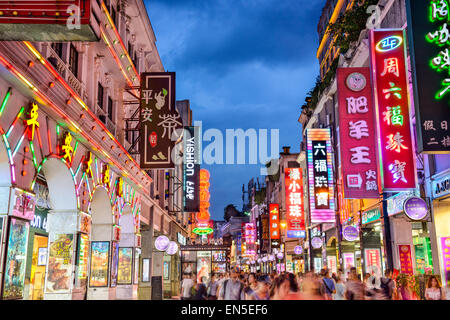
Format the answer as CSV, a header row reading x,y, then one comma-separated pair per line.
x,y
186,286
434,291
387,285
200,293
279,289
212,288
354,288
340,288
232,289
329,285
262,289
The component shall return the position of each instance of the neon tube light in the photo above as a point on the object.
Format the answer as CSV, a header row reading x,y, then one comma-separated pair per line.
x,y
15,121
5,100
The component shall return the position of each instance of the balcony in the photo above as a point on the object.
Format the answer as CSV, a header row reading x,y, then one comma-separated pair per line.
x,y
66,73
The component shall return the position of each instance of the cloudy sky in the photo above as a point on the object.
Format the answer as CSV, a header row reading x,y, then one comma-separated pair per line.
x,y
242,64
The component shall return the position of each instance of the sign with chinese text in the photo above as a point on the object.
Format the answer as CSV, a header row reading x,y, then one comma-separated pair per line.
x,y
395,204
404,253
357,134
390,81
371,215
372,259
60,263
295,214
265,233
429,39
321,195
47,20
22,204
445,251
332,264
274,224
158,120
191,170
415,208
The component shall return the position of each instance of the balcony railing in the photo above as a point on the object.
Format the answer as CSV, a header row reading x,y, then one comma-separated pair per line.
x,y
66,73
103,117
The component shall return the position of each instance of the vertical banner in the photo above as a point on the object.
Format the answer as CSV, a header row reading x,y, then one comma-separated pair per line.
x,y
60,263
274,216
295,214
265,233
428,33
445,252
191,169
357,134
158,120
372,258
390,80
404,253
321,190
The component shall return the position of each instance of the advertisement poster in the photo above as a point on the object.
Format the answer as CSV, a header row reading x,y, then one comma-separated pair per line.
x,y
14,275
445,250
166,268
125,266
404,253
114,263
332,264
372,258
349,261
60,263
99,264
83,256
203,264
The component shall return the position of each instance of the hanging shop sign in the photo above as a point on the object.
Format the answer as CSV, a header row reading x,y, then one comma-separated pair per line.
x,y
390,75
404,253
428,33
357,133
320,174
59,273
172,248
274,214
203,222
445,252
316,242
372,258
22,204
16,253
395,204
415,208
441,187
370,216
264,233
295,213
158,120
191,170
298,250
250,233
350,233
47,20
162,243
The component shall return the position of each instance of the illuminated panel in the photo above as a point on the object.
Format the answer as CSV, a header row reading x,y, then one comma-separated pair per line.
x,y
274,216
389,71
321,197
295,213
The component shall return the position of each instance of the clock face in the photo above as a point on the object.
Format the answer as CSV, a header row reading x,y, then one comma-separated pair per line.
x,y
356,81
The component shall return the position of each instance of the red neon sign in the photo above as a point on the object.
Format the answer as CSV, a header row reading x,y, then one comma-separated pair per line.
x,y
397,163
274,213
295,214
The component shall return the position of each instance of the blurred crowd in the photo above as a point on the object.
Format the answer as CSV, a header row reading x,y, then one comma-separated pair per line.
x,y
239,285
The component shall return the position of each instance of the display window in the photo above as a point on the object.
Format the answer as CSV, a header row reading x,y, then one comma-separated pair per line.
x,y
60,264
125,266
99,264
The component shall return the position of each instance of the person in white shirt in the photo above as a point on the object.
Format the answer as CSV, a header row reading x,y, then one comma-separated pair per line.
x,y
434,291
186,286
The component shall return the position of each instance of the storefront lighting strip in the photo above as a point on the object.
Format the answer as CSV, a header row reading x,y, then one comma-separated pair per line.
x,y
96,171
74,152
79,166
19,143
15,121
34,155
5,100
11,160
84,106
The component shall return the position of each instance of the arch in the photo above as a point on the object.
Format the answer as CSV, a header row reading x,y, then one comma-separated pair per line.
x,y
332,242
127,226
102,215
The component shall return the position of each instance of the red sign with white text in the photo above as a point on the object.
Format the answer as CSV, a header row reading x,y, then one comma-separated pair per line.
x,y
357,134
274,214
295,214
392,104
404,253
373,261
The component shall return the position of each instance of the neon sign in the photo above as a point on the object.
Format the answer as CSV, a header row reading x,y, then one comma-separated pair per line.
x,y
396,158
389,43
295,214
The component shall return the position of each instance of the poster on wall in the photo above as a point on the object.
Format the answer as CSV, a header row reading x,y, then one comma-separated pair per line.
x,y
60,262
16,253
203,264
332,264
404,254
166,268
114,263
99,264
372,258
146,270
83,256
124,269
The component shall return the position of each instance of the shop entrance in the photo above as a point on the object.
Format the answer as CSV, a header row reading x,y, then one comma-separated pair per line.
x,y
38,267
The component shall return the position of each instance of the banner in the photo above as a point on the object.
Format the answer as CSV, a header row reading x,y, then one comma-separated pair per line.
x,y
428,46
158,120
321,190
295,214
60,264
404,253
191,169
357,134
396,157
274,226
265,233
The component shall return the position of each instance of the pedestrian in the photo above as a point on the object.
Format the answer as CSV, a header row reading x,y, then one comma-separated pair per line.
x,y
233,288
200,292
354,288
186,286
279,288
340,288
294,291
387,285
329,285
212,288
251,285
434,291
262,289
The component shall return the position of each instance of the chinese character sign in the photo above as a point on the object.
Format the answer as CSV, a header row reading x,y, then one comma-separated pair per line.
x,y
265,233
250,233
429,39
320,176
357,134
445,251
397,162
158,120
191,171
372,258
295,214
404,254
274,222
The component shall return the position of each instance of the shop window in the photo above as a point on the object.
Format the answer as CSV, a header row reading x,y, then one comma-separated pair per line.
x,y
73,60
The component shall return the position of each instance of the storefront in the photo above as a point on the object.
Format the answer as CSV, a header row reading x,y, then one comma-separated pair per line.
x,y
372,242
204,260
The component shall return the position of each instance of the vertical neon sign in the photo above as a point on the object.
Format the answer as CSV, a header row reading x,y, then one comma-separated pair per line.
x,y
295,214
320,173
389,72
